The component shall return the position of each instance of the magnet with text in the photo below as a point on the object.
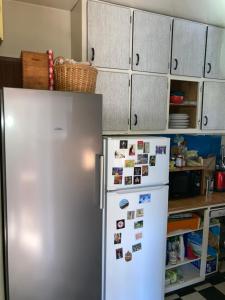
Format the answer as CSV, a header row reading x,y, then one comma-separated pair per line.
x,y
139,212
130,215
128,256
118,179
160,150
138,236
119,253
146,147
137,179
117,171
117,238
137,171
136,247
138,224
132,150
123,144
123,203
144,198
152,159
128,180
140,145
120,224
129,163
145,170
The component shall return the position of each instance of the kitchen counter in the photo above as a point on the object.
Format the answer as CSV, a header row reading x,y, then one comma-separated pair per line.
x,y
215,199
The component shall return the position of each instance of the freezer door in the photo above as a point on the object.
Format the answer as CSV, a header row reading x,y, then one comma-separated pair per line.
x,y
137,162
52,210
136,244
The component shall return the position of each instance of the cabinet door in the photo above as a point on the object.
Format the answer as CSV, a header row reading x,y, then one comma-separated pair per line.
x,y
109,35
215,53
149,102
151,42
188,48
213,112
115,90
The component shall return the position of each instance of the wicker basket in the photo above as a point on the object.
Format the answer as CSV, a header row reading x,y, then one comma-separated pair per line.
x,y
75,77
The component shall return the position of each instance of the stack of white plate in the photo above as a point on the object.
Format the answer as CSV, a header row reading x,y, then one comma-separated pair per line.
x,y
179,121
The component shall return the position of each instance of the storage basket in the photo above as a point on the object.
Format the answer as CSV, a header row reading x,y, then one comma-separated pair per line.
x,y
75,77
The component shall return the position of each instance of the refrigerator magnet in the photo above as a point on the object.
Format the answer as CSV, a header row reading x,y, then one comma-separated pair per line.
x,y
137,170
132,150
138,236
123,203
117,171
119,253
160,150
120,224
128,180
140,145
130,215
129,163
128,256
123,144
146,147
144,170
139,212
136,247
117,238
142,159
137,179
138,224
119,154
144,198
152,159
118,179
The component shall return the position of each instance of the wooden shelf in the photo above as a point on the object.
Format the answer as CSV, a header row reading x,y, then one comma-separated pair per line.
x,y
181,263
187,169
185,103
182,232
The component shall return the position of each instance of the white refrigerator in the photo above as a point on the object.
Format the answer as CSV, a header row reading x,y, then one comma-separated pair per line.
x,y
135,219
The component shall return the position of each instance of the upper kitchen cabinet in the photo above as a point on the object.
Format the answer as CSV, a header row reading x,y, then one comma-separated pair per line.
x,y
149,103
115,90
215,53
213,110
188,48
151,42
109,35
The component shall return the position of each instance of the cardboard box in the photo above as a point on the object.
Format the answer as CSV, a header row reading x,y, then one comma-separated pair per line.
x,y
184,224
35,70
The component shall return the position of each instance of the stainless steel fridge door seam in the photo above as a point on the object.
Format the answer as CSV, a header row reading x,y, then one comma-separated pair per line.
x,y
102,182
133,190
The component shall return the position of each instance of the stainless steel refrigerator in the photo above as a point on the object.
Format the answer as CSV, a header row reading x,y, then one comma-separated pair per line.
x,y
51,142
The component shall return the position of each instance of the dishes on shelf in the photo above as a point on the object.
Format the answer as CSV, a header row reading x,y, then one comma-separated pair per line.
x,y
178,120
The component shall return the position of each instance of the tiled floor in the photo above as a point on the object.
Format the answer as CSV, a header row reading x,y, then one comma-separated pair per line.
x,y
213,288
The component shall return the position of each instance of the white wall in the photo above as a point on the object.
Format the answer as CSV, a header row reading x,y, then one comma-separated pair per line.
x,y
35,28
206,11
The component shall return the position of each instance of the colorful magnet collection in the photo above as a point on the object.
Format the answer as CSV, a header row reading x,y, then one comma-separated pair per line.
x,y
135,155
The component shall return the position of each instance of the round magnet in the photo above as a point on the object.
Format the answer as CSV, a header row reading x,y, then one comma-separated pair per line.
x,y
124,203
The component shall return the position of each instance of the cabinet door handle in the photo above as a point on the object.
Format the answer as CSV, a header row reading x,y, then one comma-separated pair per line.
x,y
205,120
92,54
138,59
210,68
176,63
135,119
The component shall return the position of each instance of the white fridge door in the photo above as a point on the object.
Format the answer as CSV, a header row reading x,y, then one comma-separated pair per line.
x,y
136,224
137,162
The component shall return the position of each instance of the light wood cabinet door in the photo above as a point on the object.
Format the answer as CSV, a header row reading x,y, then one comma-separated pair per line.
x,y
215,53
213,111
115,90
151,42
149,103
188,48
109,35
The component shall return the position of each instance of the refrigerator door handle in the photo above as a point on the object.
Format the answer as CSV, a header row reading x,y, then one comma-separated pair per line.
x,y
101,182
142,189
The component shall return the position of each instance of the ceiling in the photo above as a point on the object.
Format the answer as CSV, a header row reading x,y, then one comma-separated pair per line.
x,y
61,4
